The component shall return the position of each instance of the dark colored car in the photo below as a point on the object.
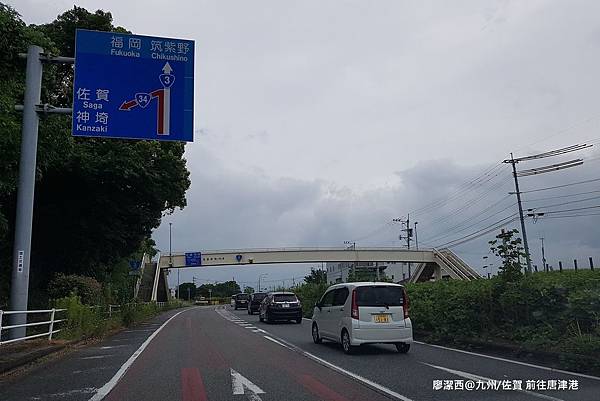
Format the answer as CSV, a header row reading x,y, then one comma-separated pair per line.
x,y
240,301
255,301
280,306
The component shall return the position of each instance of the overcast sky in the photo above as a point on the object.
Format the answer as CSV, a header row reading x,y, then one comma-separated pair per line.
x,y
320,121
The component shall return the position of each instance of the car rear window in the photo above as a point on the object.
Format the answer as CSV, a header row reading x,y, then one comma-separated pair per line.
x,y
285,298
259,297
379,296
242,296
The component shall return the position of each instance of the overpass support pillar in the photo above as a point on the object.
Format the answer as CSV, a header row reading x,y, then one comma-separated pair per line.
x,y
437,272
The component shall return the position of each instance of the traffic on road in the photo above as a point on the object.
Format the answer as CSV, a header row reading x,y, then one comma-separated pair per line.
x,y
220,353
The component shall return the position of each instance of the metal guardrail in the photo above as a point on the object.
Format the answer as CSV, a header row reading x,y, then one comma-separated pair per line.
x,y
110,311
51,331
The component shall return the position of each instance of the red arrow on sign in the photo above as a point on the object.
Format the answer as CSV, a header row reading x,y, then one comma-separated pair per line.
x,y
128,105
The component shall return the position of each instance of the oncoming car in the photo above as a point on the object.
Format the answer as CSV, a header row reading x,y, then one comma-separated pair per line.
x,y
363,313
280,306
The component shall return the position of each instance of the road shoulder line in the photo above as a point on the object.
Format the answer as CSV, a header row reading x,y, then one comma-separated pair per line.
x,y
104,390
531,365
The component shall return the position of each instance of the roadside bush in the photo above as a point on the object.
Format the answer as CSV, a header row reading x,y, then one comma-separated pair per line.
x,y
132,313
544,311
82,321
86,288
309,294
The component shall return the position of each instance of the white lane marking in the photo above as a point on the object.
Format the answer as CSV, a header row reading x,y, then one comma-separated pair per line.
x,y
85,390
261,331
104,390
97,356
471,376
136,331
239,385
305,318
276,342
76,372
256,331
113,346
338,369
250,327
566,372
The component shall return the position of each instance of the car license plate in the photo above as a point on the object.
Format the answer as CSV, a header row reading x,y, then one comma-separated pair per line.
x,y
286,305
382,318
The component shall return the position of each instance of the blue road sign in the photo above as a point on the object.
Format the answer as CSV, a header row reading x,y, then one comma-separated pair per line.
x,y
132,86
193,258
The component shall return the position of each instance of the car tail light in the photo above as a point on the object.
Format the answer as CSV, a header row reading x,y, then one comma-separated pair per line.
x,y
405,303
354,308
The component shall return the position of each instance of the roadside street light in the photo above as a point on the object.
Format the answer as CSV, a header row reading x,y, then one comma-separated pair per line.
x,y
259,277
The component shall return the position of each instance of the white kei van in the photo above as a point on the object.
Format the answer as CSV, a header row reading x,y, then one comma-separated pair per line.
x,y
363,313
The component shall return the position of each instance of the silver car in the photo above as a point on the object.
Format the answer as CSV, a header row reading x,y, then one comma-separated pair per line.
x,y
354,314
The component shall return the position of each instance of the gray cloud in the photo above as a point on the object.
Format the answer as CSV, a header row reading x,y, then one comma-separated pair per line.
x,y
373,110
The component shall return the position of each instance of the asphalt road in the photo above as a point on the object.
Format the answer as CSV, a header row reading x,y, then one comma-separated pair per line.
x,y
220,354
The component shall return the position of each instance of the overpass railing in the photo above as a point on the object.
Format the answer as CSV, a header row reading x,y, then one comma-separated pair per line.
x,y
352,249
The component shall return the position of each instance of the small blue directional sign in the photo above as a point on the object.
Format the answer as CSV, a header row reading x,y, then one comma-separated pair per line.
x,y
193,258
132,86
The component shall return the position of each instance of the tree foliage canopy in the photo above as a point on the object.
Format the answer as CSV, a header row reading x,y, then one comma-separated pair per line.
x,y
509,249
97,200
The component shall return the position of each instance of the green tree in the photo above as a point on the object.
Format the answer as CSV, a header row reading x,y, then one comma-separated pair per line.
x,y
88,289
97,200
316,276
248,290
508,248
187,291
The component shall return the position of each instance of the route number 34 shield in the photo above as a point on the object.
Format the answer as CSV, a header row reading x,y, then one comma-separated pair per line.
x,y
143,99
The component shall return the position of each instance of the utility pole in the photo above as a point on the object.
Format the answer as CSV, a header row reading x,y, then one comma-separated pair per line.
x,y
543,256
514,162
408,237
536,171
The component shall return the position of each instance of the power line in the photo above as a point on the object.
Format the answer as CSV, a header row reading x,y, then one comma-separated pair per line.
x,y
469,203
462,189
471,218
453,231
567,203
561,196
481,232
572,215
572,210
560,186
376,231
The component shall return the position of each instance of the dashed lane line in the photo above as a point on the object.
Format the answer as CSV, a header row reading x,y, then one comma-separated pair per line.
x,y
283,343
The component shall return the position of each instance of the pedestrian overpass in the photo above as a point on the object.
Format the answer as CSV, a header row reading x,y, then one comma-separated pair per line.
x,y
430,264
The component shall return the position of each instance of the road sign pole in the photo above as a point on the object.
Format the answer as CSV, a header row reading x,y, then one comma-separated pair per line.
x,y
27,166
